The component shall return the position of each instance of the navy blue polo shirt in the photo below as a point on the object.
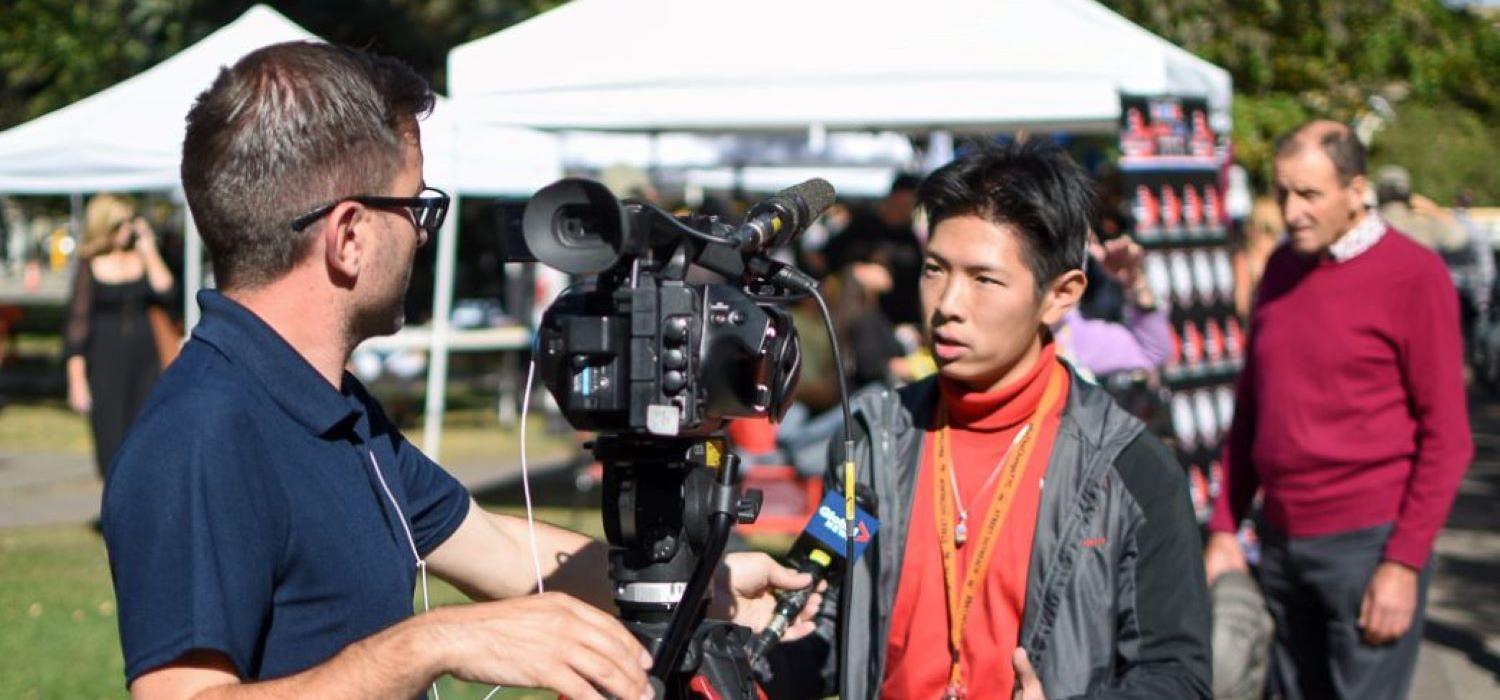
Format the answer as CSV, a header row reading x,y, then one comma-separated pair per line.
x,y
244,512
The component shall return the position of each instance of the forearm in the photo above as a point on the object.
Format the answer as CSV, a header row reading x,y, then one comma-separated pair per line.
x,y
580,572
1151,328
1444,453
78,371
489,557
157,273
398,662
1432,368
1105,347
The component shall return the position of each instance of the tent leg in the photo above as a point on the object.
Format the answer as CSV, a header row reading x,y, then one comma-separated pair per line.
x,y
437,351
75,216
192,268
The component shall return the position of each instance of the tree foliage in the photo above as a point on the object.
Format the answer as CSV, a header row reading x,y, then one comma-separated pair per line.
x,y
1296,59
1291,59
54,52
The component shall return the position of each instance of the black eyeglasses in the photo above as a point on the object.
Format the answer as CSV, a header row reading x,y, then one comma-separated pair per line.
x,y
427,210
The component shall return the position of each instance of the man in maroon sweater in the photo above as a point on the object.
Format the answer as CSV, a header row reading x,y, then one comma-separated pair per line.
x,y
1351,417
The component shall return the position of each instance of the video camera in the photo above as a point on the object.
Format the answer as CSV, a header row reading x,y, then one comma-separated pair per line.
x,y
677,327
641,348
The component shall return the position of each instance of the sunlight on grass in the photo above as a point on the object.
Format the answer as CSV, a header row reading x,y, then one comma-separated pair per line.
x,y
58,611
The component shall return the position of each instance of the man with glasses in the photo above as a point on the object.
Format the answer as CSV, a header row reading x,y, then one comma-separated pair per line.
x,y
266,523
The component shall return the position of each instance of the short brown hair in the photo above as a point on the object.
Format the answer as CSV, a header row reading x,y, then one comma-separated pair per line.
x,y
287,128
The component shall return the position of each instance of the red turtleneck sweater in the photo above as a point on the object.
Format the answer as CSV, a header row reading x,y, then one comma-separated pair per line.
x,y
982,426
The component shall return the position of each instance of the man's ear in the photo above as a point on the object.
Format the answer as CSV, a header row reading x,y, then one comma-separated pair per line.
x,y
1062,296
343,246
1359,193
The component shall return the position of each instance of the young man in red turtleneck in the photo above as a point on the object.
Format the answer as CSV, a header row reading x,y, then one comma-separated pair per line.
x,y
1036,541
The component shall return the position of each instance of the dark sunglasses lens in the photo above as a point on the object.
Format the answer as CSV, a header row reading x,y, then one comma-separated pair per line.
x,y
433,215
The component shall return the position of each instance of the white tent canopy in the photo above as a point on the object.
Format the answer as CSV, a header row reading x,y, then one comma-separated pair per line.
x,y
128,137
722,65
587,150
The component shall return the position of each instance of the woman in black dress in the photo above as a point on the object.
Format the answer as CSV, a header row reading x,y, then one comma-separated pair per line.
x,y
112,358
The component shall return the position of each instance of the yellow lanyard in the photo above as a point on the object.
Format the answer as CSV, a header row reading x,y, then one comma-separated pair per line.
x,y
1012,466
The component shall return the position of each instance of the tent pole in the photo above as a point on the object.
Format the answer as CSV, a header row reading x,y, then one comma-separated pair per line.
x,y
437,351
75,216
192,268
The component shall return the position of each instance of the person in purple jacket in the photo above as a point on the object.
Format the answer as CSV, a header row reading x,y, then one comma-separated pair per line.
x,y
1140,338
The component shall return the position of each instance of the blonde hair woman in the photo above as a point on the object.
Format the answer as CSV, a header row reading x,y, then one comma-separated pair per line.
x,y
112,354
1263,232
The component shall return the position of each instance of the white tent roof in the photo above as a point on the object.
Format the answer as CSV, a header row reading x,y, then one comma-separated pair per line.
x,y
128,137
724,65
597,149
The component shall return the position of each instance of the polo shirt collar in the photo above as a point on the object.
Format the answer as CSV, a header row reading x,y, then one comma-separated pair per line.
x,y
251,343
1359,239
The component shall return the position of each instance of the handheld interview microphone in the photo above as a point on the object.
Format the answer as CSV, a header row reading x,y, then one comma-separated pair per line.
x,y
781,217
819,551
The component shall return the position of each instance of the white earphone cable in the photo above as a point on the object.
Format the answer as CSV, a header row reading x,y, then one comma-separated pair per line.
x,y
536,560
410,541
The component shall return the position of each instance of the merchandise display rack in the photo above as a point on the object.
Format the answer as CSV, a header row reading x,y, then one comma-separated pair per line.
x,y
1172,170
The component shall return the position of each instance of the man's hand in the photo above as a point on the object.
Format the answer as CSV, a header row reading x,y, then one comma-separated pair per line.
x,y
549,641
1027,686
1223,554
1390,600
745,592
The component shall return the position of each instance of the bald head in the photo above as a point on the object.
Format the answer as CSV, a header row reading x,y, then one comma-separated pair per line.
x,y
1336,140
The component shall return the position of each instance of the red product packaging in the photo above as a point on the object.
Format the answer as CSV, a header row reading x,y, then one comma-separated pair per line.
x,y
1203,136
1213,341
1234,339
1213,207
1192,346
1171,209
1137,140
1192,206
1147,213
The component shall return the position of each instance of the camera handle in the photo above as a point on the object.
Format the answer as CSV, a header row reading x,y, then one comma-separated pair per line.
x,y
669,505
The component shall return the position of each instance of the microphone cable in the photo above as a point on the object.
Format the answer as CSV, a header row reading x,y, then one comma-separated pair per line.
x,y
846,589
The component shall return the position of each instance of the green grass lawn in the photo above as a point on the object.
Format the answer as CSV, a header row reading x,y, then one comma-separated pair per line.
x,y
471,431
58,633
44,426
58,629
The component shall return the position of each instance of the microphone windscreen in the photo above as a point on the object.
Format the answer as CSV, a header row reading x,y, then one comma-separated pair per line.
x,y
816,193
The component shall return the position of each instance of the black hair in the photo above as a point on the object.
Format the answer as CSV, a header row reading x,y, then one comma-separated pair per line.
x,y
1031,186
905,182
